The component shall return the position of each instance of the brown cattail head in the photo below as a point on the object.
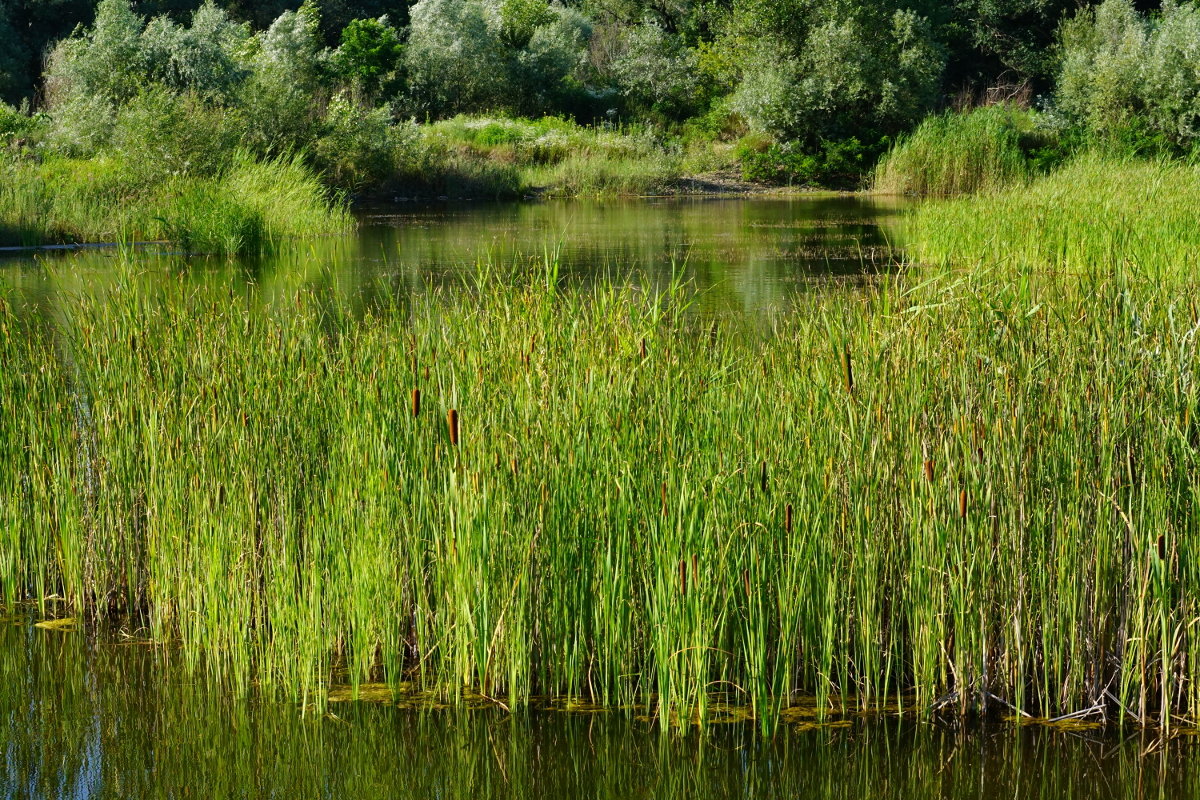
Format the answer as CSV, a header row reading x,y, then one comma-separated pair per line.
x,y
763,477
787,518
929,470
664,498
643,347
683,577
1162,547
848,368
746,581
962,503
452,425
416,402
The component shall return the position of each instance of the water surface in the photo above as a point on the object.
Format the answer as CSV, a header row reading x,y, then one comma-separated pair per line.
x,y
743,255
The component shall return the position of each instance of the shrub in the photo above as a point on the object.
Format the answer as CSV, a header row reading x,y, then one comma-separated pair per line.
x,y
160,134
1133,79
358,146
455,59
856,71
837,164
547,65
205,58
657,72
14,123
107,61
81,125
369,56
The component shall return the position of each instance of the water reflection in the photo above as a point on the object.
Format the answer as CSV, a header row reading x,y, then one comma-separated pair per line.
x,y
745,255
82,720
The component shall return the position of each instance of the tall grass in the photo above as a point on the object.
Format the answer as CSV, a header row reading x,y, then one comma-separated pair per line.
x,y
1097,215
958,153
251,206
970,491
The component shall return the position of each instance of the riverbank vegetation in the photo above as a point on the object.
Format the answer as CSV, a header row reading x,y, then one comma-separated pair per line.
x,y
1096,216
972,491
478,99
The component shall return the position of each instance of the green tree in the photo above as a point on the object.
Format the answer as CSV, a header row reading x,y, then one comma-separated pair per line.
x,y
369,55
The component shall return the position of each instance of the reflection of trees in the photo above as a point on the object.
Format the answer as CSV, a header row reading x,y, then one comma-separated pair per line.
x,y
744,255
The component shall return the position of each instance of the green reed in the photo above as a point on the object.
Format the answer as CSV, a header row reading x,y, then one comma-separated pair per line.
x,y
1097,215
251,206
960,153
965,490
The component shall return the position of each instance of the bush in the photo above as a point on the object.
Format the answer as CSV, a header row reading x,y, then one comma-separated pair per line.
x,y
858,71
81,125
455,59
836,164
1133,79
369,56
204,58
359,146
547,66
159,134
15,123
107,62
657,72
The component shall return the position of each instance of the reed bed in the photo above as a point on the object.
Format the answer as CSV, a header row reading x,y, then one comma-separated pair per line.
x,y
970,492
960,153
1098,215
251,207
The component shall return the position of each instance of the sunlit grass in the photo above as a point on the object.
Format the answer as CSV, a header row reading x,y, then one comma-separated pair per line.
x,y
251,207
976,488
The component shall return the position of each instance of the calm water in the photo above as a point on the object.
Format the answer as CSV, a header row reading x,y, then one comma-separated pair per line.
x,y
87,719
744,255
117,720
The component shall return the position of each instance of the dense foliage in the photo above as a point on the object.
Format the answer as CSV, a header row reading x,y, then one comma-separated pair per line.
x,y
805,91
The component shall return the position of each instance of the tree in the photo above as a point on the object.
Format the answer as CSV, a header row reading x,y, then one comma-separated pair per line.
x,y
369,55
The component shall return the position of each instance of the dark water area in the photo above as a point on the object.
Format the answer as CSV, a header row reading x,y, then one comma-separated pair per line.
x,y
80,720
86,717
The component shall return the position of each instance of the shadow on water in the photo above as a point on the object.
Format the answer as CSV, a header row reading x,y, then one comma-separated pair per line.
x,y
116,720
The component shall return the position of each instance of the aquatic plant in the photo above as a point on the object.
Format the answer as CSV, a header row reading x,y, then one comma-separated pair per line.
x,y
963,490
959,153
251,206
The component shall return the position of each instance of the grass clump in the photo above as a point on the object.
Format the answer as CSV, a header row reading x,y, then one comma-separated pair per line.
x,y
952,489
248,206
960,153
